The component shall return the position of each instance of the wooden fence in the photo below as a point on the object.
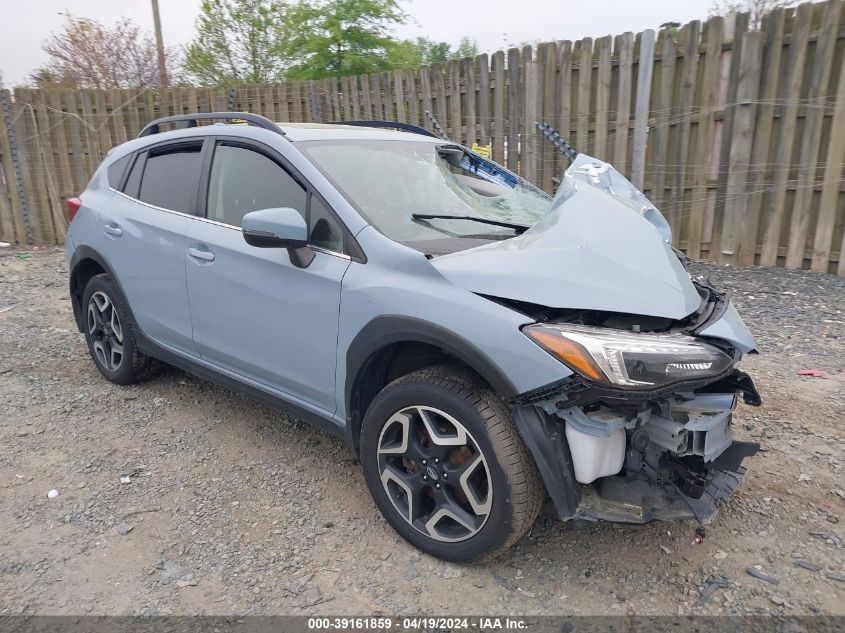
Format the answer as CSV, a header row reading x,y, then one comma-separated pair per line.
x,y
737,135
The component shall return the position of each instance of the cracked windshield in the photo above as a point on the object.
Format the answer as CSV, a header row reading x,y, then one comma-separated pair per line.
x,y
394,183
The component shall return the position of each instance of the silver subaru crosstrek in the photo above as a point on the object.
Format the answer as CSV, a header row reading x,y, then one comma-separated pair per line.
x,y
477,343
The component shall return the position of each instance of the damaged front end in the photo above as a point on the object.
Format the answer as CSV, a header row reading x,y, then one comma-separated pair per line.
x,y
642,430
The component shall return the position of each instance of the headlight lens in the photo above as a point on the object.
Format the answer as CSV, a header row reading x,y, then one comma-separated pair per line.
x,y
629,359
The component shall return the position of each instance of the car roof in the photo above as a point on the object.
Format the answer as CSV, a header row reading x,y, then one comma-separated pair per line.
x,y
294,132
333,132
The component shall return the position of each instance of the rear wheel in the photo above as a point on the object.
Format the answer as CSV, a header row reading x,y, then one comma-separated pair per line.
x,y
446,466
110,334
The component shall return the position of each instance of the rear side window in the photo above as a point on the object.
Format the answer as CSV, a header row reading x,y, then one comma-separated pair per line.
x,y
171,177
243,180
133,181
116,170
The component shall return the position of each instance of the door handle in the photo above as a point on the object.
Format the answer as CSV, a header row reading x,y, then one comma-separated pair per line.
x,y
206,256
113,229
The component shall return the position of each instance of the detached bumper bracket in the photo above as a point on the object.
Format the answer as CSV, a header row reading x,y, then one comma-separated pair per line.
x,y
740,381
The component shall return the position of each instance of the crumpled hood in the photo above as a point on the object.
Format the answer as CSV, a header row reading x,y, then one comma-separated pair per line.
x,y
602,246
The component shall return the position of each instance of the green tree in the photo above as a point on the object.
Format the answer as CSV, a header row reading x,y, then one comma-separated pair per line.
x,y
237,41
425,51
466,48
336,38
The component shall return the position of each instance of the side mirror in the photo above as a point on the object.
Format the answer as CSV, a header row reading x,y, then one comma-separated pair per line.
x,y
279,228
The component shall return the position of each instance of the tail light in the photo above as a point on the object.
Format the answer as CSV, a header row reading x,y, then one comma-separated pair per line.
x,y
73,205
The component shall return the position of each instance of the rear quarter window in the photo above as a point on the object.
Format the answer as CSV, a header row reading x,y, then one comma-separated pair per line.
x,y
116,169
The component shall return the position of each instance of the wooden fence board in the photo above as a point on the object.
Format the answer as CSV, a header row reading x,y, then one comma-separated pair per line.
x,y
355,97
662,116
14,230
689,41
584,55
366,97
453,124
29,164
564,98
713,31
58,121
6,221
412,97
831,187
624,46
761,152
439,75
789,114
547,54
741,142
498,67
513,108
399,95
602,113
44,136
645,68
483,100
723,130
533,79
468,109
339,99
811,141
426,102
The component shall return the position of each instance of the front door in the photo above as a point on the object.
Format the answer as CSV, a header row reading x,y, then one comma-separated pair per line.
x,y
255,313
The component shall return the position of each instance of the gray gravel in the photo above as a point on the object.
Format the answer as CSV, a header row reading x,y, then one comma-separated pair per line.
x,y
179,497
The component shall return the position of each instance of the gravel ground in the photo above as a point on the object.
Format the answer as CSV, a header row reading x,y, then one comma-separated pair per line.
x,y
179,497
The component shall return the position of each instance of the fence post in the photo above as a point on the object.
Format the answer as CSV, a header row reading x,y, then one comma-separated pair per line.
x,y
14,154
645,68
316,112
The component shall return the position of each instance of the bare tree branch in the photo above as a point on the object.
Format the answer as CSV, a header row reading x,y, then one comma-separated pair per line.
x,y
86,54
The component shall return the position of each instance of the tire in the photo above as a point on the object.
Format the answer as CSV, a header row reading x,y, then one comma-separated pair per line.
x,y
109,327
494,493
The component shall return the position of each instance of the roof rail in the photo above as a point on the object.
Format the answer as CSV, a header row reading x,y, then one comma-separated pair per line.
x,y
191,119
396,125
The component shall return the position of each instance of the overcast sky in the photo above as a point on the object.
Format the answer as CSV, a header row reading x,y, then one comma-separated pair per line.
x,y
494,24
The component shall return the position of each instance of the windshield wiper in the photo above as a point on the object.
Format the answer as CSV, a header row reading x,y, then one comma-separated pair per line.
x,y
518,228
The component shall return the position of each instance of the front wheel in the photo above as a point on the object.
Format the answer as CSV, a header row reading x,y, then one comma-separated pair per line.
x,y
447,467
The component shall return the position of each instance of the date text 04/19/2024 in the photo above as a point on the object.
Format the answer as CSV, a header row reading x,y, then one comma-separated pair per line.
x,y
420,623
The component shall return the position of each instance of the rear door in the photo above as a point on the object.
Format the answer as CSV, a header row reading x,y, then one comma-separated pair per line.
x,y
255,313
145,237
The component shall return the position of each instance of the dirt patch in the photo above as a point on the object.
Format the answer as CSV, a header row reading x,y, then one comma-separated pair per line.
x,y
231,508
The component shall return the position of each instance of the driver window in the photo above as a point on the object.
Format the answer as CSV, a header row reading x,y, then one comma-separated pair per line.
x,y
243,180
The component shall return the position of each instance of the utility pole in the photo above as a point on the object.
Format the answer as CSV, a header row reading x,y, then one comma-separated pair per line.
x,y
162,69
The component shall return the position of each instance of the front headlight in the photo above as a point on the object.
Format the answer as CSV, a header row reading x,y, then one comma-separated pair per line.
x,y
629,359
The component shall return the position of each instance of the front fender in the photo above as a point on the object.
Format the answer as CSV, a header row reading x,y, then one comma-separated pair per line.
x,y
386,330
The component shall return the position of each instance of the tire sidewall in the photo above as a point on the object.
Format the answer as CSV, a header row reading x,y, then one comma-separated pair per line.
x,y
499,523
103,283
